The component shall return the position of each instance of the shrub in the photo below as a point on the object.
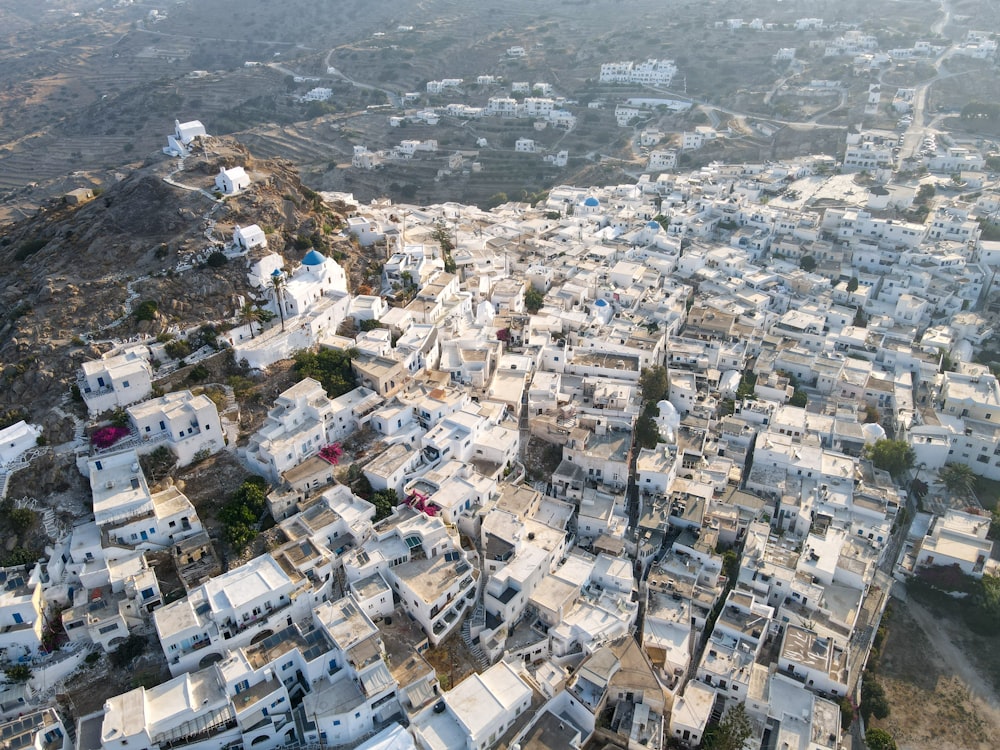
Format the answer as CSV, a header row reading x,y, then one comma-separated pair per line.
x,y
873,700
146,310
21,519
127,652
198,374
331,453
216,260
105,437
879,739
18,673
177,349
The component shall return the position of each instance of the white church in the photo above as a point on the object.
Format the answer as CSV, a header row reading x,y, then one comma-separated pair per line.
x,y
313,300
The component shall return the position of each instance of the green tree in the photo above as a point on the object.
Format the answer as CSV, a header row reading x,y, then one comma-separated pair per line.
x,y
846,712
654,383
798,398
278,292
21,519
330,367
359,483
748,381
958,479
646,432
731,732
533,299
879,739
497,199
384,501
873,700
119,417
177,349
18,673
146,310
894,456
444,240
852,285
808,263
251,313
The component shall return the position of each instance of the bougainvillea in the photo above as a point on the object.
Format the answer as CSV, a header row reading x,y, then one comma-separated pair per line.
x,y
331,453
108,436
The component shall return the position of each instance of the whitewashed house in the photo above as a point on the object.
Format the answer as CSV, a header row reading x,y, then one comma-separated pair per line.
x,y
116,381
182,137
128,513
232,181
249,237
16,440
188,425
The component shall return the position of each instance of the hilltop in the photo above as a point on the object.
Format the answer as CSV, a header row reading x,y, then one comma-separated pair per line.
x,y
76,272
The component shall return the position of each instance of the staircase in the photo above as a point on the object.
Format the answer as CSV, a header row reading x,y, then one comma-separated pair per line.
x,y
478,616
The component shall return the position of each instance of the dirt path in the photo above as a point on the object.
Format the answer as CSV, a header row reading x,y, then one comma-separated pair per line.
x,y
937,695
942,634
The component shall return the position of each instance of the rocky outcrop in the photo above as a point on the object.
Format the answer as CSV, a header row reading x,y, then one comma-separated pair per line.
x,y
73,274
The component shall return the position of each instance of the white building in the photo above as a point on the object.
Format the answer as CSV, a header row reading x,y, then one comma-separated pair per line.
x,y
192,710
477,711
183,135
16,440
652,72
188,425
421,559
957,538
231,610
40,729
128,514
116,381
302,421
231,181
249,237
22,612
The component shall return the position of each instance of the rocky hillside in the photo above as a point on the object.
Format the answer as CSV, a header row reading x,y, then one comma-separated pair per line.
x,y
73,274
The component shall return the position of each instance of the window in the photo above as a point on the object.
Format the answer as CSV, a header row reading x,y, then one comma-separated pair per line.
x,y
108,628
124,384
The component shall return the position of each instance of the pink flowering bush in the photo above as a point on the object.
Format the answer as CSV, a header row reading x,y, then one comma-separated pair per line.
x,y
108,436
331,453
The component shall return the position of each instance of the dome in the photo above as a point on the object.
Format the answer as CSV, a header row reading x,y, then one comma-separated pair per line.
x,y
600,303
873,432
654,225
314,258
276,272
591,202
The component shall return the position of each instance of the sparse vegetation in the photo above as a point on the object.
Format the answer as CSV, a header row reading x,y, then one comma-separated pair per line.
x,y
241,515
894,456
146,310
533,300
330,367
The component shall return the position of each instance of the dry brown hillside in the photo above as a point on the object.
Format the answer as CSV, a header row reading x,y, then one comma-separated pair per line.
x,y
71,268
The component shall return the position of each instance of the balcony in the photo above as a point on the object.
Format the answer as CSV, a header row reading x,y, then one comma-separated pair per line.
x,y
232,628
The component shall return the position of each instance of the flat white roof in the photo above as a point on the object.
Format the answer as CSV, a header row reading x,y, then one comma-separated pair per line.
x,y
255,580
